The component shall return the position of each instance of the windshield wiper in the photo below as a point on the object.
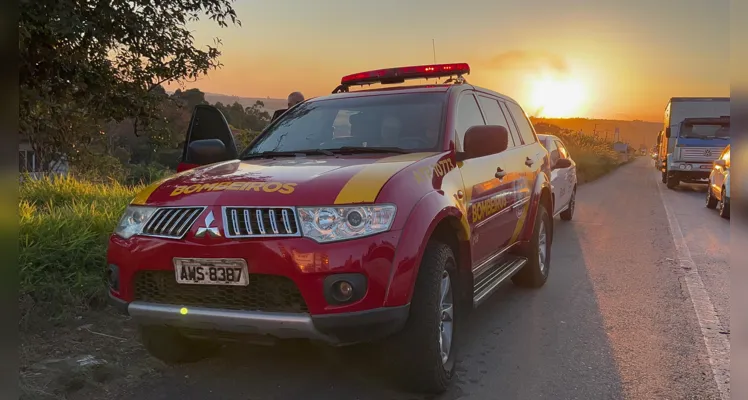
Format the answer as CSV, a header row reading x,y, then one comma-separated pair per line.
x,y
295,153
359,149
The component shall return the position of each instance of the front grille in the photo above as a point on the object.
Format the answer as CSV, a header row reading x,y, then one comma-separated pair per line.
x,y
270,293
242,222
700,153
171,222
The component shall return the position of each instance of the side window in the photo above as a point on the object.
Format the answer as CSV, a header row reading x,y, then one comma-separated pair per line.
x,y
512,124
562,149
494,115
525,129
468,115
553,152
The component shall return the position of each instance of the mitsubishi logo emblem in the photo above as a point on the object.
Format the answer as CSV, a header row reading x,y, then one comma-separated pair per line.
x,y
708,152
207,229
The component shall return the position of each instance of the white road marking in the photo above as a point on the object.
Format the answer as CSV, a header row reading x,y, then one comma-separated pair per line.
x,y
717,343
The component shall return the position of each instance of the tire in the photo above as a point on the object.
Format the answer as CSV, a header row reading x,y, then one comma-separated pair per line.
x,y
664,177
533,274
171,347
568,214
672,182
414,354
724,206
711,201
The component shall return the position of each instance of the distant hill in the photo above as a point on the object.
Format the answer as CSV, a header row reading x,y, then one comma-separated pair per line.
x,y
270,104
635,133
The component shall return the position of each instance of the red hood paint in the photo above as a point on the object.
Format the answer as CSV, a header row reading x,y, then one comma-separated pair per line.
x,y
308,181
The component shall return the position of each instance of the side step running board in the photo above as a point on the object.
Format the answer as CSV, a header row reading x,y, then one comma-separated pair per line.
x,y
490,280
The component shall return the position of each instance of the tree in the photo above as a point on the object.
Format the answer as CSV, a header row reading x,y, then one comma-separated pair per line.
x,y
85,63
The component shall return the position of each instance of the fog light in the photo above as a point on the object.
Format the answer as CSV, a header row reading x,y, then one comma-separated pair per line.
x,y
682,166
689,166
343,291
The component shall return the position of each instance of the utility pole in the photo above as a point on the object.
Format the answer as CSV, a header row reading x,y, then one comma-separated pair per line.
x,y
433,47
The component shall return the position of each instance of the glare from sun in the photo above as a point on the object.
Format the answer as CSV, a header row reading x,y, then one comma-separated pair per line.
x,y
557,98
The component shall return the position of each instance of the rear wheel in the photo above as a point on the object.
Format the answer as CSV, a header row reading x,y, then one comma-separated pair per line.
x,y
568,214
171,347
711,201
538,253
422,355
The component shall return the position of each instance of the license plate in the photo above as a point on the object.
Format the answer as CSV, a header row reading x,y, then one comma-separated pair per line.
x,y
211,271
706,167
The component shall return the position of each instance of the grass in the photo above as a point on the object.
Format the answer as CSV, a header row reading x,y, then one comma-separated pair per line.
x,y
594,156
64,227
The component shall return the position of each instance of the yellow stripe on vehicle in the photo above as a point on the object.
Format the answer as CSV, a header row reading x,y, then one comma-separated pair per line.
x,y
364,186
521,222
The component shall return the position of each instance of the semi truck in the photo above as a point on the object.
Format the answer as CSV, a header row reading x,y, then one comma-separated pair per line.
x,y
695,132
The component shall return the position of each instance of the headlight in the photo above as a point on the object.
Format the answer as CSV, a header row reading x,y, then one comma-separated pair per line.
x,y
330,224
133,221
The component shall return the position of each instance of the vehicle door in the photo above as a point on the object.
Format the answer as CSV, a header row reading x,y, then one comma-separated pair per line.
x,y
558,178
507,174
531,158
207,123
482,186
568,175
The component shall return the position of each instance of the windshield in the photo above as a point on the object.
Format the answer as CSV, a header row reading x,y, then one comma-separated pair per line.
x,y
398,122
705,131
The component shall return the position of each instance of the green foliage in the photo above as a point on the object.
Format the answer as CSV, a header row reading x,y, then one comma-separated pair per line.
x,y
63,232
83,64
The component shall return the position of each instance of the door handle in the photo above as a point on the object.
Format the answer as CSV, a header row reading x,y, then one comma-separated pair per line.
x,y
529,162
500,173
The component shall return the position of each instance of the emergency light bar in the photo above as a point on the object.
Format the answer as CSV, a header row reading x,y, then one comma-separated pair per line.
x,y
400,74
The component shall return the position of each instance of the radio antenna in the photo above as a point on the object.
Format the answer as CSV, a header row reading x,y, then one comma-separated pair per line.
x,y
433,46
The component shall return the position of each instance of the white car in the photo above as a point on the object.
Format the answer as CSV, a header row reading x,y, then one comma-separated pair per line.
x,y
718,191
563,177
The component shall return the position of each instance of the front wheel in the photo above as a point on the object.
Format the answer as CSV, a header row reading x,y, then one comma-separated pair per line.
x,y
538,253
664,176
724,206
672,181
422,355
711,201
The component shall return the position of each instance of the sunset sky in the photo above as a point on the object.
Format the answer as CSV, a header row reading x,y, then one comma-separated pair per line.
x,y
616,59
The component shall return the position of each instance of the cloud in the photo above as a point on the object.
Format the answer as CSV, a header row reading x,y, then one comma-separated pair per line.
x,y
526,60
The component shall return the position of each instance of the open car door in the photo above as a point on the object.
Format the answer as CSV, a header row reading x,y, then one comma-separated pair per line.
x,y
209,139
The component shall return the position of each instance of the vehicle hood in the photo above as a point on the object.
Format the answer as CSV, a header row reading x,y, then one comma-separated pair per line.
x,y
299,181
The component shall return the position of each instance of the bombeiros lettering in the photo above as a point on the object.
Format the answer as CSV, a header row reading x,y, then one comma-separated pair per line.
x,y
264,187
486,208
439,170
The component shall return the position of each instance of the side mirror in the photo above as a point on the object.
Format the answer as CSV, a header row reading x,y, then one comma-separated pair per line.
x,y
667,132
720,163
207,151
484,140
562,163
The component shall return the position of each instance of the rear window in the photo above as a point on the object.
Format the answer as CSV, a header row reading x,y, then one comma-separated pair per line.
x,y
412,122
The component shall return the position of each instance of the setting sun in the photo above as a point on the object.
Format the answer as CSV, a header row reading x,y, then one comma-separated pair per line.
x,y
557,98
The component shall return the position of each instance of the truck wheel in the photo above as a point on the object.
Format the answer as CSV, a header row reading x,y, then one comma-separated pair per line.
x,y
568,214
711,201
672,182
664,177
422,355
171,347
535,273
724,206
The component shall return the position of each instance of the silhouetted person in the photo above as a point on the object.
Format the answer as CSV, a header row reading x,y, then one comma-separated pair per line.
x,y
293,99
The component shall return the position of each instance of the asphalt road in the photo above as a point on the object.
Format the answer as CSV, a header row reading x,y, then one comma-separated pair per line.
x,y
615,320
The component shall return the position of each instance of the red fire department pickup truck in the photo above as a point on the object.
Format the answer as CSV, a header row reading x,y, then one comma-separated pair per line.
x,y
377,215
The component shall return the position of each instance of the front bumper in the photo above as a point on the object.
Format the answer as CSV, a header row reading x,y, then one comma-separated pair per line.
x,y
333,329
690,170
